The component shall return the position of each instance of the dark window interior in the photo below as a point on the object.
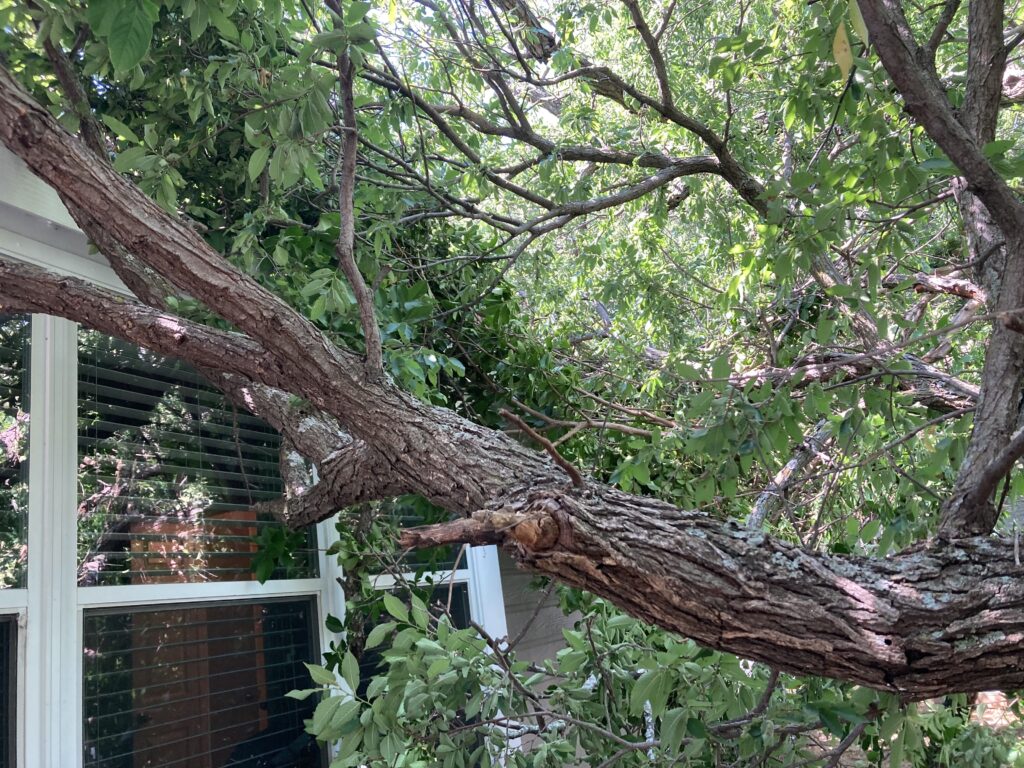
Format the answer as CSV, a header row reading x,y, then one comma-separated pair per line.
x,y
8,689
199,686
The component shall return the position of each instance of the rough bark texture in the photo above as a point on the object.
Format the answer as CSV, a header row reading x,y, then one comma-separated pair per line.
x,y
923,623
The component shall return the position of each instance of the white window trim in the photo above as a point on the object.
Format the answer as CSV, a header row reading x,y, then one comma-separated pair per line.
x,y
36,228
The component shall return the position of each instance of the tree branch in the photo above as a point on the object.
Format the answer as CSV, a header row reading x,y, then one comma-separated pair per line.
x,y
347,229
653,50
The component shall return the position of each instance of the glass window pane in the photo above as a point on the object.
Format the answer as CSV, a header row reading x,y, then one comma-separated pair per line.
x,y
169,473
8,688
199,686
15,333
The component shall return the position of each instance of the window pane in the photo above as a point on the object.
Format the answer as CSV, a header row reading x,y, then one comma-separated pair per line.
x,y
8,687
15,333
198,686
169,473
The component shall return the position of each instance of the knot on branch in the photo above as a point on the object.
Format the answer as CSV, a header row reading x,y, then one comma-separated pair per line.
x,y
532,531
532,523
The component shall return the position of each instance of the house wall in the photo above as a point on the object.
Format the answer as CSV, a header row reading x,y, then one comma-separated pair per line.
x,y
543,638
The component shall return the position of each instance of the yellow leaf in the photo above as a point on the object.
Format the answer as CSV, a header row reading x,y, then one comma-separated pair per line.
x,y
841,51
857,22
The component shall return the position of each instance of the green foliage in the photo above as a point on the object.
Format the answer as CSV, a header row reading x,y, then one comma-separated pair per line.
x,y
225,112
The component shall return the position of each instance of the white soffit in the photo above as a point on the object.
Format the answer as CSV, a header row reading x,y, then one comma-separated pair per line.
x,y
36,227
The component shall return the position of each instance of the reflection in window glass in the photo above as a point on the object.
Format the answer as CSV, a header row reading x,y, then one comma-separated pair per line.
x,y
198,686
169,473
14,356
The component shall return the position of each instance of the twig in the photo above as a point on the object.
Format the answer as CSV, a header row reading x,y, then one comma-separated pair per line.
x,y
570,470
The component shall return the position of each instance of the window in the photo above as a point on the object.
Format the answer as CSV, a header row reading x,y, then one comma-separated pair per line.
x,y
198,686
14,425
169,472
8,676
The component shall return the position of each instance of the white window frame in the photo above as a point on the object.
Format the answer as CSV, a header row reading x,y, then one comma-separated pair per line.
x,y
36,228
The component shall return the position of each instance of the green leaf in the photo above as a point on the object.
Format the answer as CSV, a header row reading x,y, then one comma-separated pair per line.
x,y
673,729
721,368
998,147
378,633
356,12
346,712
332,40
896,751
395,607
350,670
696,728
303,694
122,130
130,35
258,161
324,712
857,22
439,666
128,159
224,25
320,675
361,33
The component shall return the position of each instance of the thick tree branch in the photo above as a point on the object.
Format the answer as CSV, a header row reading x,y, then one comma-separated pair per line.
x,y
926,101
962,138
351,475
27,288
893,624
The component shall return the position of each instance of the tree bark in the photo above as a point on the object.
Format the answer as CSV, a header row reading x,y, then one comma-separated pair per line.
x,y
923,623
929,621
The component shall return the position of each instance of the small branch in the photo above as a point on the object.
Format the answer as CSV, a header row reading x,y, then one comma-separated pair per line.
x,y
570,470
949,9
657,59
732,728
89,126
346,233
476,531
545,594
995,470
772,496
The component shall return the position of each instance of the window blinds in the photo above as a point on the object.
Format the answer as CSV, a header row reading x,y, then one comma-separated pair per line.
x,y
198,686
169,473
